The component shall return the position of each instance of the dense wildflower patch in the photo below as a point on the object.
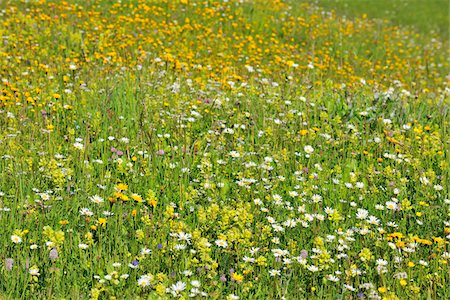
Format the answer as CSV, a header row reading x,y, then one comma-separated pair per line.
x,y
220,149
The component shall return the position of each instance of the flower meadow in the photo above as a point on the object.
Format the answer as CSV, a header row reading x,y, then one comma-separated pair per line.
x,y
220,150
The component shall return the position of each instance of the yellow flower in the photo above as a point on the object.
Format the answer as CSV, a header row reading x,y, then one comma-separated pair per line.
x,y
391,296
415,289
122,187
102,221
382,290
151,198
400,244
366,254
136,198
438,240
160,289
161,277
261,261
140,234
237,277
403,282
425,242
303,132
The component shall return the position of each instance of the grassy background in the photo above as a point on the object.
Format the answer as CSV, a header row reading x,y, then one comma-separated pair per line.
x,y
424,15
121,71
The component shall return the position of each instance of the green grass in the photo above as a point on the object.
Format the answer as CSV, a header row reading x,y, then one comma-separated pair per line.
x,y
425,16
246,150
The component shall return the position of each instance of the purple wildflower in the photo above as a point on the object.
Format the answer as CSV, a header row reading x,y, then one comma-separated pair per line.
x,y
9,264
53,254
134,264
